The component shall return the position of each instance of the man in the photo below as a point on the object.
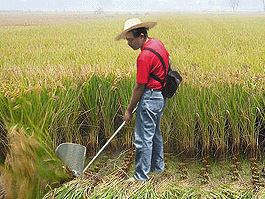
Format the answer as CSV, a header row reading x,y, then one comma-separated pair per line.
x,y
147,93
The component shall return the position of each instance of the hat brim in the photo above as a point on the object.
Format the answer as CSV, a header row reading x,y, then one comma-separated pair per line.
x,y
147,25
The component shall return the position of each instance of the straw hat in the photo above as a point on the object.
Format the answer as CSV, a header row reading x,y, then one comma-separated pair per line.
x,y
134,23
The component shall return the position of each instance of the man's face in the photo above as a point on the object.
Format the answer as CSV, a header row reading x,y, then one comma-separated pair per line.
x,y
134,43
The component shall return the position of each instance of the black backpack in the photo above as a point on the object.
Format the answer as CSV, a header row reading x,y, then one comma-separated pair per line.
x,y
172,79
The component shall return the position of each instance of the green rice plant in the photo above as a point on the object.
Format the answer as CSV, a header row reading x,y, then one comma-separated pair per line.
x,y
6,114
202,116
233,102
261,122
90,99
65,103
183,120
217,122
168,127
125,86
242,113
252,116
3,143
108,107
57,108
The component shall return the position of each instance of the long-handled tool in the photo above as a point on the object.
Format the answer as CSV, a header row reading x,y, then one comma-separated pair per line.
x,y
106,144
74,155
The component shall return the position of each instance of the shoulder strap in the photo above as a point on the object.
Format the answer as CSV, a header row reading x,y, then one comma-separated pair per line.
x,y
157,79
158,55
163,63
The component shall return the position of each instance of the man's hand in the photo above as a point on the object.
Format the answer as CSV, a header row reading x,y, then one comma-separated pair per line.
x,y
128,116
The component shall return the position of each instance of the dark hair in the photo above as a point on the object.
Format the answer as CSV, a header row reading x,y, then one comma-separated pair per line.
x,y
138,31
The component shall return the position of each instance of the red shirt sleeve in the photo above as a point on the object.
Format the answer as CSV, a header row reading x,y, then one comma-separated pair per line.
x,y
143,71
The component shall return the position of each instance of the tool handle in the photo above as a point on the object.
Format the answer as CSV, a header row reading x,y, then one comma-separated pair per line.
x,y
106,144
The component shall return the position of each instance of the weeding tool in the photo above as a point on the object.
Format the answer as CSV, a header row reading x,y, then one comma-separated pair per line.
x,y
73,155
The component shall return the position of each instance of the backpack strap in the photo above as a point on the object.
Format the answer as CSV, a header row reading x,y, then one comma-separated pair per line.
x,y
157,79
162,82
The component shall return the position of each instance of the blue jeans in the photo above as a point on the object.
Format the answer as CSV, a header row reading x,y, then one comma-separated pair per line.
x,y
148,139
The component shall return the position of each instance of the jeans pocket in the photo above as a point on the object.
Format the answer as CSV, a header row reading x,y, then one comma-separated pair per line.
x,y
155,104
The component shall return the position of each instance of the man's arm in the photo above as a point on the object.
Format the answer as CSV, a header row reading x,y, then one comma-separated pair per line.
x,y
136,95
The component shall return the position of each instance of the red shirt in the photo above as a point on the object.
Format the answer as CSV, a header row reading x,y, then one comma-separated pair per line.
x,y
148,62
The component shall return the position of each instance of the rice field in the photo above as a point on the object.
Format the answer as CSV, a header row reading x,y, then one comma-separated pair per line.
x,y
65,79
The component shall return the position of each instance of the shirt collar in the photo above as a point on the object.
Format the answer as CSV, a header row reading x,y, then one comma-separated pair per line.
x,y
146,42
